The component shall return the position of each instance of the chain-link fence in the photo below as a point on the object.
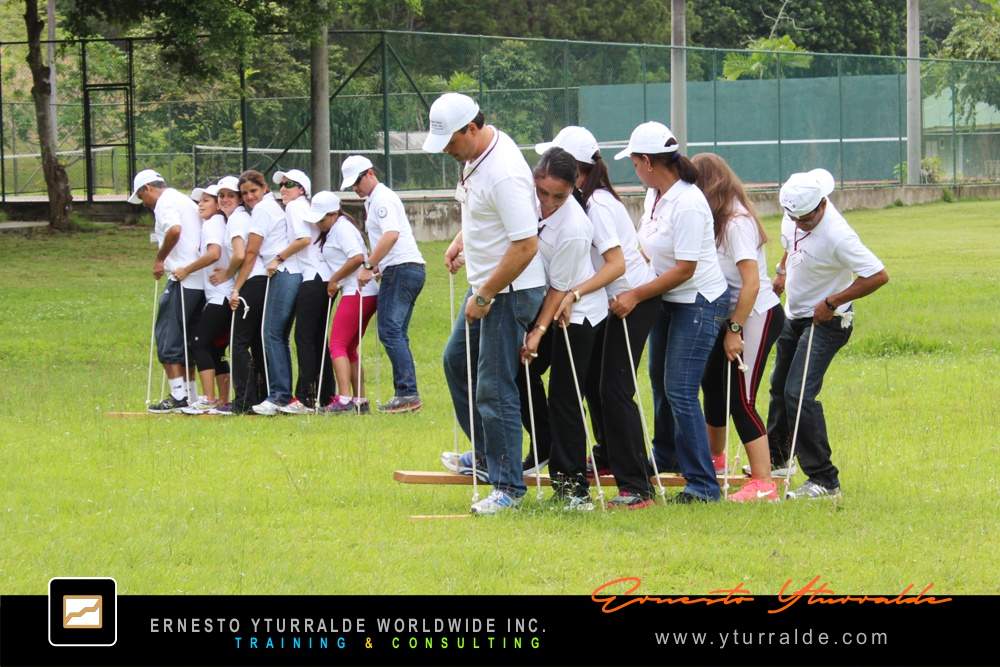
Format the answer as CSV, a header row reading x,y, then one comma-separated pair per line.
x,y
120,108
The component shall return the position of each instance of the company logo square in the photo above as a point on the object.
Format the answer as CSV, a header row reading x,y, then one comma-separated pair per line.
x,y
83,611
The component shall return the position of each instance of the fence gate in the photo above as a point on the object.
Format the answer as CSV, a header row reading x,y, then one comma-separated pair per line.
x,y
108,132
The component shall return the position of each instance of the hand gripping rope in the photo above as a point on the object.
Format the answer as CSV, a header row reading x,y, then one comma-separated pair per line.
x,y
325,352
152,341
472,424
184,332
451,323
531,417
583,416
232,346
642,415
798,410
263,343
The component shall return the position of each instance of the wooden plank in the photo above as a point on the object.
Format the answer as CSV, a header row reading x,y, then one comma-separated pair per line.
x,y
153,414
430,517
451,478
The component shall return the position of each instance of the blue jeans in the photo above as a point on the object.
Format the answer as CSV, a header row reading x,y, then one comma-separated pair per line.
x,y
690,330
812,446
401,285
495,344
281,293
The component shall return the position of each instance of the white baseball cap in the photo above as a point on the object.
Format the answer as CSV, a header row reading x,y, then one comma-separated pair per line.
x,y
650,138
577,141
351,168
449,113
324,202
803,191
212,190
144,177
296,175
230,183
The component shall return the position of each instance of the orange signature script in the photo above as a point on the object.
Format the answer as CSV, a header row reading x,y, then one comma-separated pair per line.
x,y
612,598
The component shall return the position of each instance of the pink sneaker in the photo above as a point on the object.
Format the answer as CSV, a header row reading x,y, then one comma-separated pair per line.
x,y
720,464
756,490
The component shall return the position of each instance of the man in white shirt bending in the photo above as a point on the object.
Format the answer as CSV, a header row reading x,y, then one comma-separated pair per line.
x,y
825,268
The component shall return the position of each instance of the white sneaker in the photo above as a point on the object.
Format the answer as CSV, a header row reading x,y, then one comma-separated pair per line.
x,y
497,501
579,504
266,408
296,407
780,471
202,406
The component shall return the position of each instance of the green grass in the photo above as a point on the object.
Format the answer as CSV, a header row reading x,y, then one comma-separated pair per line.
x,y
175,505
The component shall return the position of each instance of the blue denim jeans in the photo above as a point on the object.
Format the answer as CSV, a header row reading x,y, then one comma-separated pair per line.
x,y
401,285
495,344
812,447
281,292
690,330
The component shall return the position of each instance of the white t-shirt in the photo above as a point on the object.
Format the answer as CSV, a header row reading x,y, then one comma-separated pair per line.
x,y
304,261
238,224
268,220
742,242
344,241
499,208
822,262
174,209
213,232
385,213
564,243
680,227
607,213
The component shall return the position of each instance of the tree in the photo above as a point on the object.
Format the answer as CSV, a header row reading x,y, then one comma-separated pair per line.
x,y
760,62
975,36
56,179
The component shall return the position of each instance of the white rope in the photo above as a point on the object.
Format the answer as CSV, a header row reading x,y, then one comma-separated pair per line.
x,y
534,438
725,453
451,323
798,410
583,416
361,309
324,353
152,341
263,342
642,414
743,369
472,424
184,331
232,349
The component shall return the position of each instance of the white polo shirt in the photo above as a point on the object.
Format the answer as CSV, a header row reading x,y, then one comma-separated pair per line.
x,y
174,209
607,213
742,242
238,224
213,232
823,262
385,213
344,241
680,227
565,239
304,261
268,220
499,208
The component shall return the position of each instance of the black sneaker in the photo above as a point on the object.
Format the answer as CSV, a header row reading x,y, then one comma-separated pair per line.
x,y
168,405
685,498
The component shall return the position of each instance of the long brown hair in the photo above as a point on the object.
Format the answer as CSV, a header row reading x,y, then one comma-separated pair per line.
x,y
723,189
595,177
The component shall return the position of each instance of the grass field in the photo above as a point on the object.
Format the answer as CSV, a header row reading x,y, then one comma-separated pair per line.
x,y
308,505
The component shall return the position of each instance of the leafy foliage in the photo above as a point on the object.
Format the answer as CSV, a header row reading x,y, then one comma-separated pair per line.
x,y
761,61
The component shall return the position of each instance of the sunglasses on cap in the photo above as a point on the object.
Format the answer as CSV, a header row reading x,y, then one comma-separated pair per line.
x,y
806,217
290,184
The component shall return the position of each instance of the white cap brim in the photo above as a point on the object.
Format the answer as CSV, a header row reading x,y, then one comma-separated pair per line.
x,y
544,146
349,180
315,216
624,153
435,143
134,199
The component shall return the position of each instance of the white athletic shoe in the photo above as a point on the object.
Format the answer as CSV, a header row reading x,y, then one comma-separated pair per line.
x,y
202,406
266,408
296,407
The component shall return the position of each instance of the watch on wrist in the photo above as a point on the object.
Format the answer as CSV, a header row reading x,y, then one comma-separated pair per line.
x,y
778,269
280,259
367,265
482,301
576,295
734,327
829,305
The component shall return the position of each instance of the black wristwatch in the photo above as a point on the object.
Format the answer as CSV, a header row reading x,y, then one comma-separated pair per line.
x,y
735,327
482,302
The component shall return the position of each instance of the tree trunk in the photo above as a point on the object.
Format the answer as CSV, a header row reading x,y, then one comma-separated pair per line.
x,y
56,179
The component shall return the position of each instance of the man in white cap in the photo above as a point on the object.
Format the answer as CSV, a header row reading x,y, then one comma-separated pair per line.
x,y
825,269
499,240
178,236
396,258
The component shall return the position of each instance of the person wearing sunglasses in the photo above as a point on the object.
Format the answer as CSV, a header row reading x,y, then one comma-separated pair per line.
x,y
396,258
825,269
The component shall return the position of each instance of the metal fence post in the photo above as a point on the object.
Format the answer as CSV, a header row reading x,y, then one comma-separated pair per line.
x,y
715,100
385,110
479,74
840,115
778,80
642,68
87,139
130,114
565,82
3,161
899,122
954,136
244,154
